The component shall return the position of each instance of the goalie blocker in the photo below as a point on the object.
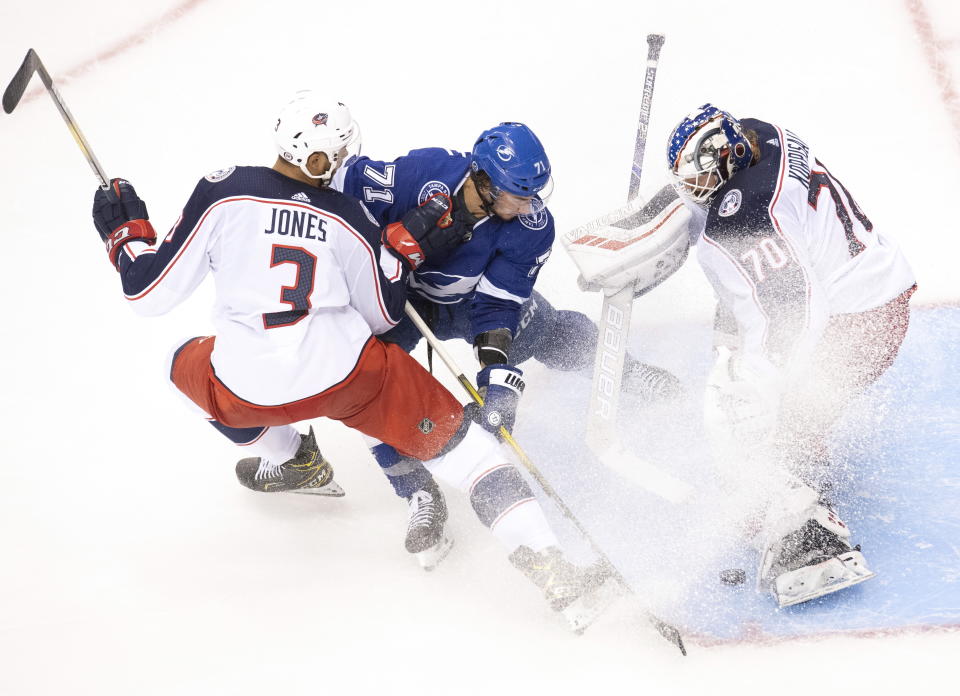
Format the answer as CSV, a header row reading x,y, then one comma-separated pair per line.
x,y
640,245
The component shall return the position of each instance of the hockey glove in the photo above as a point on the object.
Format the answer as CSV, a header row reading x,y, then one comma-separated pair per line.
x,y
425,233
120,216
501,387
739,407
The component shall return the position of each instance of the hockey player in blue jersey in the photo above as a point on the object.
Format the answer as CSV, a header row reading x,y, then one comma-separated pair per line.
x,y
483,290
306,283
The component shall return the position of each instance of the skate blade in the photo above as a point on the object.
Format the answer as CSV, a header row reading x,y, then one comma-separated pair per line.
x,y
331,490
430,558
837,573
584,610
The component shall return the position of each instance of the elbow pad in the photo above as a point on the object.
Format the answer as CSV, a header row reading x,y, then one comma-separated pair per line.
x,y
493,347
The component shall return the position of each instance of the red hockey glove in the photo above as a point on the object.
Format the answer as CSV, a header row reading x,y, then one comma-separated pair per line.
x,y
424,233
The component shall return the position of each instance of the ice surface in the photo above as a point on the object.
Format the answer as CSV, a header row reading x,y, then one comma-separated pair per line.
x,y
134,563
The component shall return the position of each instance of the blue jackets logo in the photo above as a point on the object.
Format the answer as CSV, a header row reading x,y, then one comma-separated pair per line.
x,y
219,175
430,188
730,203
320,120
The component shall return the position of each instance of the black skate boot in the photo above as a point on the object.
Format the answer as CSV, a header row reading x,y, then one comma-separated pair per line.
x,y
579,594
813,561
307,472
426,537
645,384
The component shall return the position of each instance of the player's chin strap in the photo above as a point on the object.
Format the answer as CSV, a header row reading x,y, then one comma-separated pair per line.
x,y
666,630
486,205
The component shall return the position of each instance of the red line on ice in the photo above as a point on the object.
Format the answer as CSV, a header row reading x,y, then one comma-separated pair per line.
x,y
933,49
142,35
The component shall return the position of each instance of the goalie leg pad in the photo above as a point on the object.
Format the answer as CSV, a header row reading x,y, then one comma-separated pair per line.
x,y
836,573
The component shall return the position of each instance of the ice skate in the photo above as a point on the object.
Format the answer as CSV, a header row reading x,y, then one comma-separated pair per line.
x,y
579,594
426,537
307,472
812,562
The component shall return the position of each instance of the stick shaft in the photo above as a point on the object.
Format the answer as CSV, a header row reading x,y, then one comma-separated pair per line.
x,y
507,437
654,44
11,97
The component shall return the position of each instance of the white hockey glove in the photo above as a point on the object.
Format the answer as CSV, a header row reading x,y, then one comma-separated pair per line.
x,y
640,246
737,406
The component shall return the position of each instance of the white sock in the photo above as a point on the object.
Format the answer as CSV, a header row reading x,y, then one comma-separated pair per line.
x,y
278,444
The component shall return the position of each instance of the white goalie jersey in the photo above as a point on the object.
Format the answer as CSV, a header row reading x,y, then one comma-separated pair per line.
x,y
786,247
302,280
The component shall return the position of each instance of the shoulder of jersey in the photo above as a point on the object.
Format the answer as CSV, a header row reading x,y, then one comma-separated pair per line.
x,y
532,229
264,182
434,170
742,206
437,152
242,181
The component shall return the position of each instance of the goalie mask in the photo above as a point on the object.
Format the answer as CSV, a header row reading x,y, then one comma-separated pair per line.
x,y
312,123
510,165
705,150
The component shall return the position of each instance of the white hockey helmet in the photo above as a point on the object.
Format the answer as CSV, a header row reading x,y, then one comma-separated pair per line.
x,y
310,123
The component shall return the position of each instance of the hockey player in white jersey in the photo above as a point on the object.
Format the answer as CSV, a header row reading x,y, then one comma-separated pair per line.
x,y
813,307
305,280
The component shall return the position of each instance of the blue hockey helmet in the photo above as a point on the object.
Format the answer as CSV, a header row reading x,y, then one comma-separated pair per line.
x,y
514,159
705,150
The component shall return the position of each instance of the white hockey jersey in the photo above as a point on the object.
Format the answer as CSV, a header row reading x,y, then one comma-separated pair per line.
x,y
302,280
786,247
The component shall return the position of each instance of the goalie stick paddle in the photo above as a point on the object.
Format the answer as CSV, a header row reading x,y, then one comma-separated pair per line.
x,y
14,92
666,630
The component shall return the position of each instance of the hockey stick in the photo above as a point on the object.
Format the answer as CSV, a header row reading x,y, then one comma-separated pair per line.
x,y
615,314
666,630
14,91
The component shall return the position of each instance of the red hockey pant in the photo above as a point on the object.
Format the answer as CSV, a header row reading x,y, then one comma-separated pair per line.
x,y
388,395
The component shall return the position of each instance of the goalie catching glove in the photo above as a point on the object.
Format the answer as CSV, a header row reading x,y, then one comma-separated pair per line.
x,y
426,232
501,387
120,216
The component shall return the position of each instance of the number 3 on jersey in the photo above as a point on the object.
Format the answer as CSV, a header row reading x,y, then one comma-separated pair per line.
x,y
297,295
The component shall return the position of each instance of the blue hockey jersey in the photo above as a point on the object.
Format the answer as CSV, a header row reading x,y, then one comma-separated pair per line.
x,y
494,271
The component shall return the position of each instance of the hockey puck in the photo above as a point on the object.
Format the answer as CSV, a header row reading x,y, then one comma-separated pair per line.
x,y
733,576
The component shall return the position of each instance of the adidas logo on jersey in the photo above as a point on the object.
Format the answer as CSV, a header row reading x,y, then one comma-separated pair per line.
x,y
301,196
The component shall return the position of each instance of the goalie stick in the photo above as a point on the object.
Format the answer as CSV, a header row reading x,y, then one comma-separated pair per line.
x,y
666,630
14,92
615,314
625,253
